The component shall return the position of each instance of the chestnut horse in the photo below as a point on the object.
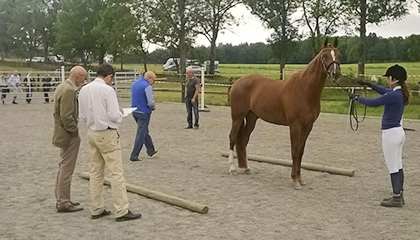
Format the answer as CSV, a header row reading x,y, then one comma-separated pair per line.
x,y
293,102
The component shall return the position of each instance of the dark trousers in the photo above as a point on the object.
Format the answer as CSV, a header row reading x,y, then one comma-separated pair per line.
x,y
142,135
192,107
4,91
28,95
46,96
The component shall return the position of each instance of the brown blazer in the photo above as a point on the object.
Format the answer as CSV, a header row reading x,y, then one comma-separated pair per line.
x,y
65,114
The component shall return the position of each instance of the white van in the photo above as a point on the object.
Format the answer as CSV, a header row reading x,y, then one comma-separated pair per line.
x,y
170,64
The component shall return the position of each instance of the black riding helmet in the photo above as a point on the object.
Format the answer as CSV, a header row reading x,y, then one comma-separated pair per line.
x,y
397,72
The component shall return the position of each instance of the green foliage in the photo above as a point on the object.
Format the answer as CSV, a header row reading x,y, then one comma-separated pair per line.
x,y
276,15
116,29
76,21
414,49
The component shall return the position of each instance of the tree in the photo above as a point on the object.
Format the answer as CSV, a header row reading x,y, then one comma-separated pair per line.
x,y
371,12
5,25
414,49
173,26
50,11
116,29
214,18
26,31
144,19
74,35
322,18
276,15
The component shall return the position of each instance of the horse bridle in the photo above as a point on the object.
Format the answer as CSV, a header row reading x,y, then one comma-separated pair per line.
x,y
327,67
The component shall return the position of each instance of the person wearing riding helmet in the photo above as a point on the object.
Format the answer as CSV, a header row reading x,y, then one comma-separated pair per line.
x,y
394,99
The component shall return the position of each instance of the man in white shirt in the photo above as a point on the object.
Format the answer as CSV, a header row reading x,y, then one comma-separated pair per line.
x,y
99,108
14,82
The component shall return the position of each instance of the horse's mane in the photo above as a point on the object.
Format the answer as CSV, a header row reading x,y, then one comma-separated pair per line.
x,y
307,68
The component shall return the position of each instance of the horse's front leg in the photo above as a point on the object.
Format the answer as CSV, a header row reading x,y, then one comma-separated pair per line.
x,y
233,162
298,137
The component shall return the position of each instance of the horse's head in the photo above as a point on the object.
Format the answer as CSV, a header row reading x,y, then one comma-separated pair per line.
x,y
330,59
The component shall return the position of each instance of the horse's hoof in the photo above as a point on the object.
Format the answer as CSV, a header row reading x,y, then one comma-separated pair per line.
x,y
232,172
297,186
247,171
302,182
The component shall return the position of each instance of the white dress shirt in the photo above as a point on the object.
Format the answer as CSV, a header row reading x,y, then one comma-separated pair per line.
x,y
98,106
14,80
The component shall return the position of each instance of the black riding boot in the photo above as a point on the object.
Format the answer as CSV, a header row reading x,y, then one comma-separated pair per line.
x,y
397,199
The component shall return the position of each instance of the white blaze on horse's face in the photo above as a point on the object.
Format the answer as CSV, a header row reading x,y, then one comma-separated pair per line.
x,y
333,68
334,65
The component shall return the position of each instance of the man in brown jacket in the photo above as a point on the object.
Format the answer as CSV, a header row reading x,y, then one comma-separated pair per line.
x,y
66,136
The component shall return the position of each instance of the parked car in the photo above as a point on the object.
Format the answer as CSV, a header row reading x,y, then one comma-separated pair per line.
x,y
35,59
56,58
195,68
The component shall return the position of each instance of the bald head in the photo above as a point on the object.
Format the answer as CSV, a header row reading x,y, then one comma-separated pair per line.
x,y
150,76
78,75
190,73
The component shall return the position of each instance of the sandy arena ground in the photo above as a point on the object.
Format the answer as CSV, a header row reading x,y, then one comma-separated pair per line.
x,y
259,206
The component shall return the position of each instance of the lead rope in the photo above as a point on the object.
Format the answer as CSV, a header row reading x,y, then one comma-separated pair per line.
x,y
353,104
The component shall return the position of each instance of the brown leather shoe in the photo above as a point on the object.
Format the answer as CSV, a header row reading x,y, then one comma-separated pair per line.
x,y
68,209
74,203
129,216
103,214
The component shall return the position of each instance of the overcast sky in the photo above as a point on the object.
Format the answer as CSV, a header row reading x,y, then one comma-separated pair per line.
x,y
251,29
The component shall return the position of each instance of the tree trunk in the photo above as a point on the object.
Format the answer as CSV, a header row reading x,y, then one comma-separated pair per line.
x,y
362,46
145,60
212,51
182,46
282,65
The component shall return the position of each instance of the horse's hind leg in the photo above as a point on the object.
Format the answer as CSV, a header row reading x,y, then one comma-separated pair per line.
x,y
243,139
237,124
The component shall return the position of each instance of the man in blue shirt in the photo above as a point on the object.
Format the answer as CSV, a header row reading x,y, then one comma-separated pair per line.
x,y
142,98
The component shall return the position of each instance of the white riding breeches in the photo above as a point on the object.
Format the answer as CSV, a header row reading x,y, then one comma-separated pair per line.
x,y
392,145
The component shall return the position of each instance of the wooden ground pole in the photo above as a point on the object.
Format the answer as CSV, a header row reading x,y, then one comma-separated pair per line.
x,y
196,207
308,166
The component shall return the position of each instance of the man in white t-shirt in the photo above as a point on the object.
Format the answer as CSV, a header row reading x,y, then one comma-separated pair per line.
x,y
14,82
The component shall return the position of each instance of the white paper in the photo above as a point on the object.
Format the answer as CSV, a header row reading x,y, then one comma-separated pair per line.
x,y
128,111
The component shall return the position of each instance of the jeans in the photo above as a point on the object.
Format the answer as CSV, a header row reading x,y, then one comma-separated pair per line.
x,y
190,108
142,135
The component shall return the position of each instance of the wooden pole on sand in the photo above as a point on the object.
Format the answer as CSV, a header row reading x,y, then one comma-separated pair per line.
x,y
196,207
308,166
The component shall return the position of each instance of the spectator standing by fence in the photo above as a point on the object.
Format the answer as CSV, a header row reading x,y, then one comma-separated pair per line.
x,y
46,85
29,84
4,87
191,99
14,83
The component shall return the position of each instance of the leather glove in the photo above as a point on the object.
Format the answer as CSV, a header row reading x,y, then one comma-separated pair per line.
x,y
362,82
353,96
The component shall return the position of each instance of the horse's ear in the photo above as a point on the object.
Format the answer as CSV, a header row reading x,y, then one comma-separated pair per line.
x,y
336,42
326,42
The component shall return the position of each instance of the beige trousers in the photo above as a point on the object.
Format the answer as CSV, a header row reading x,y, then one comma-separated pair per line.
x,y
65,172
105,151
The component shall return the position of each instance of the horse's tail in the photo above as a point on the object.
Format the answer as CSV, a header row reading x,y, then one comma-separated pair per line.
x,y
241,147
